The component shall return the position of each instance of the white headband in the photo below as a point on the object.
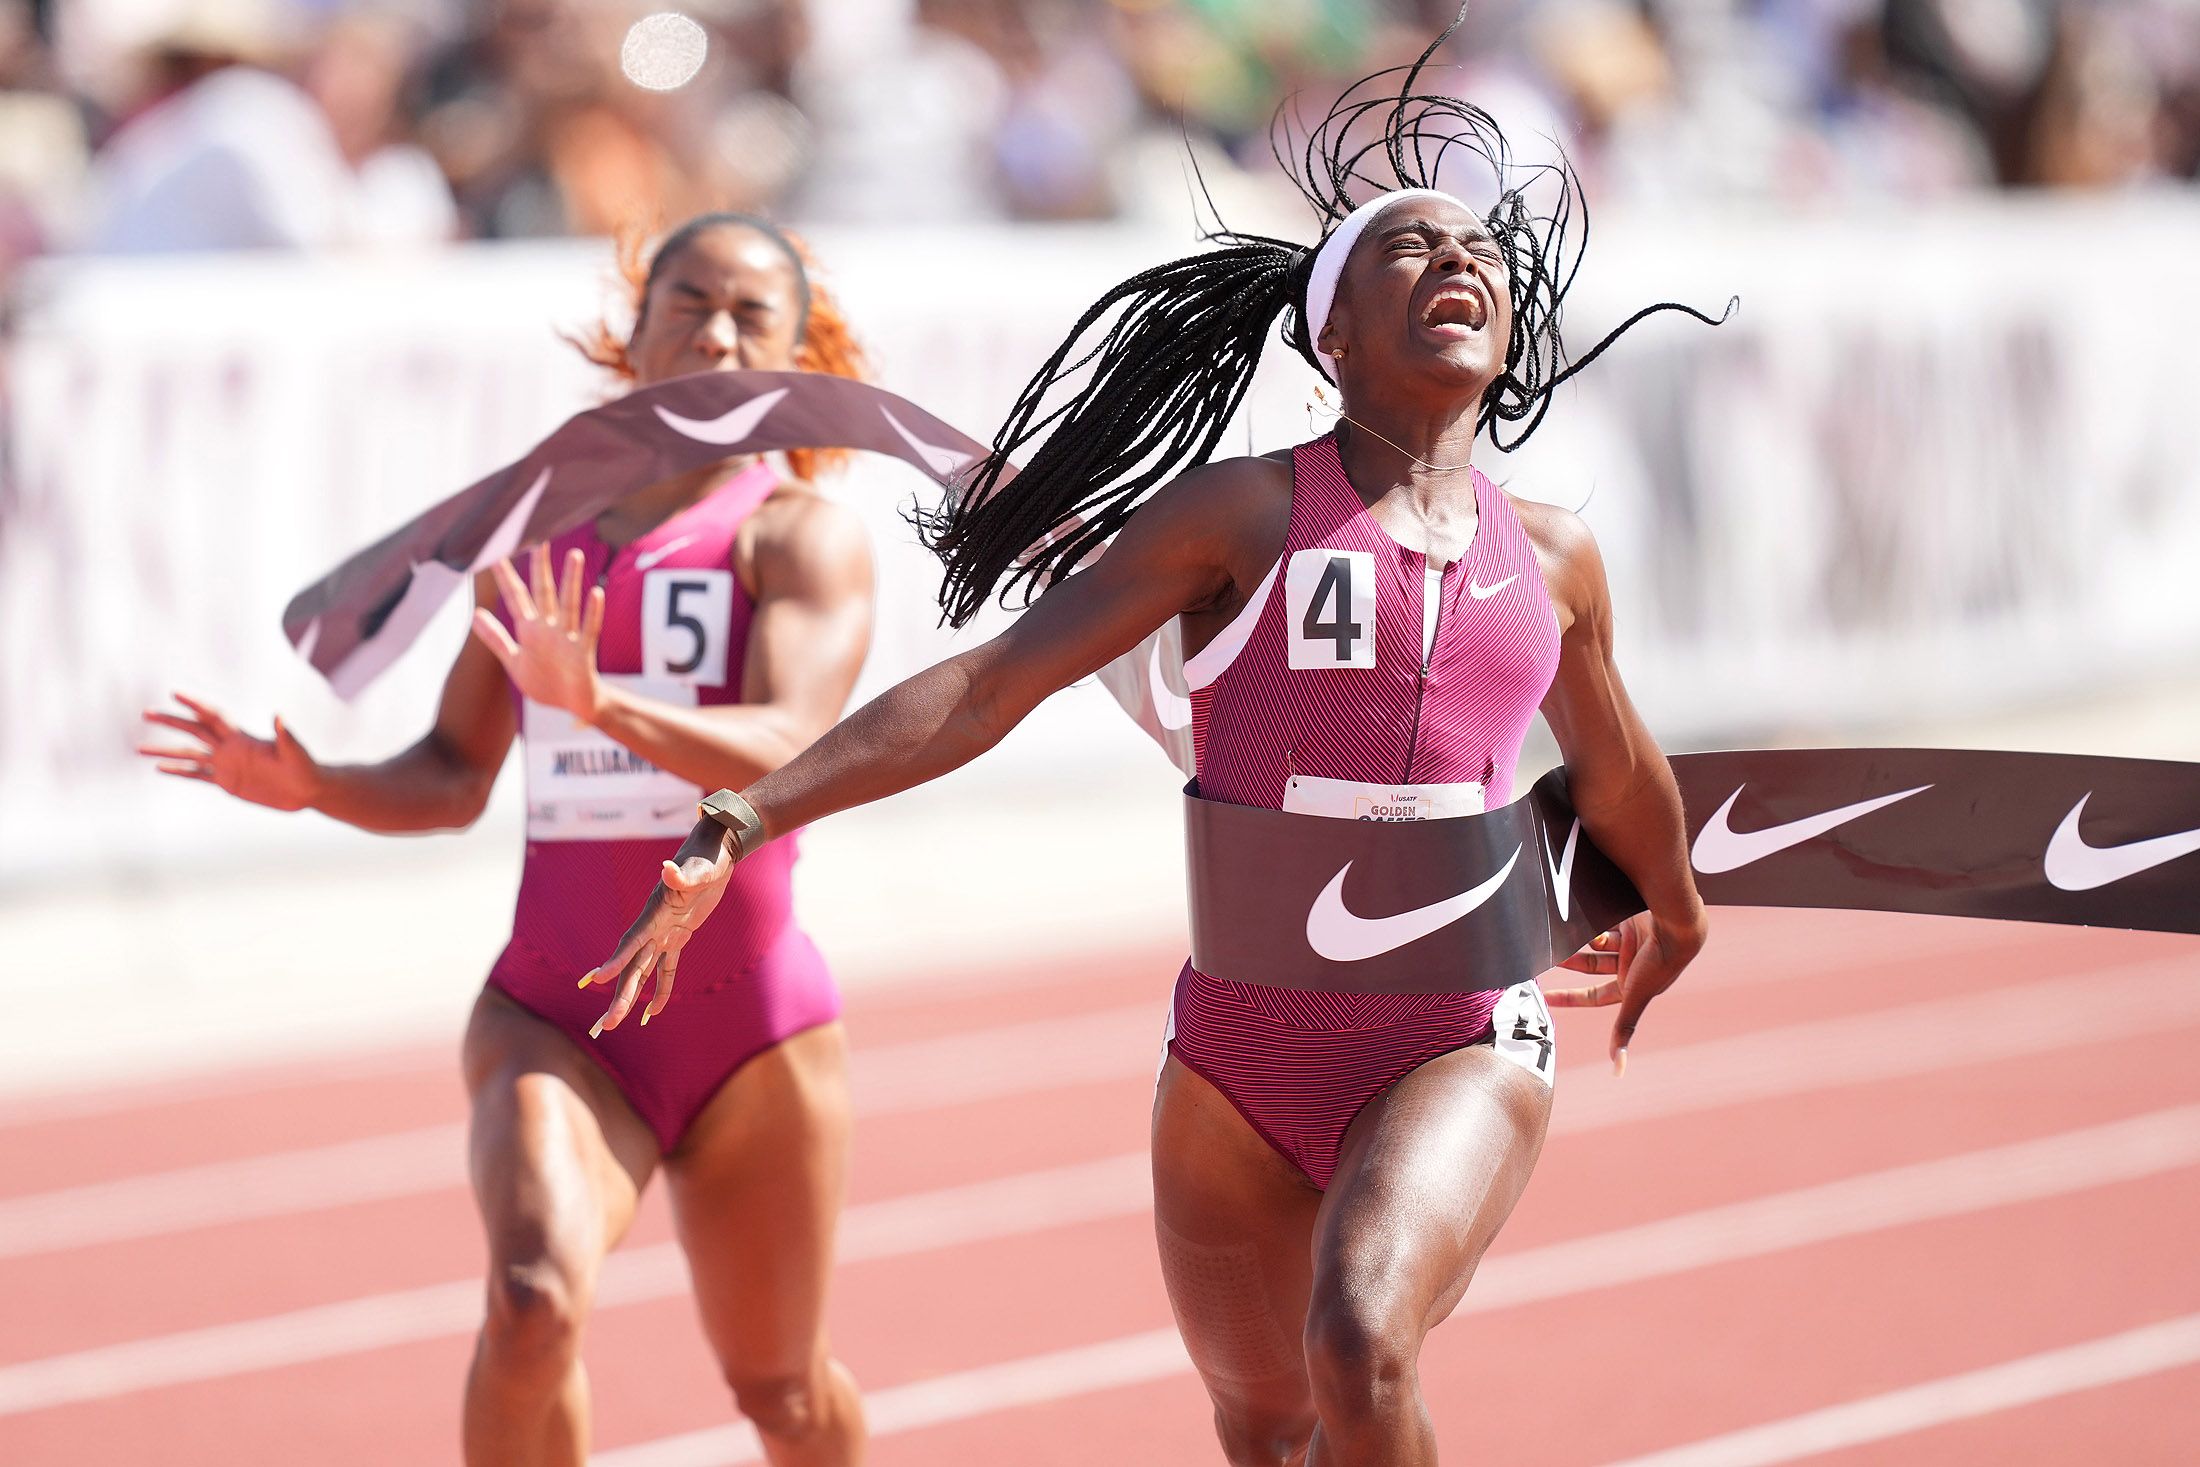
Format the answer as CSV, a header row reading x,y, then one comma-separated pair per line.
x,y
1321,286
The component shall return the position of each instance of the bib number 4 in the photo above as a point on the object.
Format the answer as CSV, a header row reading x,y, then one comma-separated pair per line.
x,y
1330,595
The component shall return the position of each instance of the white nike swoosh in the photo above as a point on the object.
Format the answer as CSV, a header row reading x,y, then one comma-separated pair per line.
x,y
1720,847
1484,593
1171,707
2075,866
1562,873
648,558
729,427
1335,933
945,462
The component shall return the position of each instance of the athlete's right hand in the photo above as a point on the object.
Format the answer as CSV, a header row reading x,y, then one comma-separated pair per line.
x,y
277,772
687,893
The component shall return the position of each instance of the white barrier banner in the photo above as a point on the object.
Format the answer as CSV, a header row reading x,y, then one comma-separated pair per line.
x,y
1920,472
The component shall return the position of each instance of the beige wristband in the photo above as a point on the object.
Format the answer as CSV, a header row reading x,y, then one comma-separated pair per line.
x,y
738,816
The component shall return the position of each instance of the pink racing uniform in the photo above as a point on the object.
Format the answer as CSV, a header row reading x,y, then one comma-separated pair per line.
x,y
1357,684
601,820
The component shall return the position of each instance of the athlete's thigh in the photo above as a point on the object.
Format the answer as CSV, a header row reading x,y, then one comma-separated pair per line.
x,y
1234,1222
1428,1173
557,1157
756,1186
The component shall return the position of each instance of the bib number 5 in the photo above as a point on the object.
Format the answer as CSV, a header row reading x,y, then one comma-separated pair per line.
x,y
1330,596
684,616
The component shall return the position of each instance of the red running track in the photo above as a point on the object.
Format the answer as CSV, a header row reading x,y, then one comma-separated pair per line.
x,y
1875,1190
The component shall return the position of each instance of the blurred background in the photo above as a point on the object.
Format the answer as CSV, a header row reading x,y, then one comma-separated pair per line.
x,y
276,274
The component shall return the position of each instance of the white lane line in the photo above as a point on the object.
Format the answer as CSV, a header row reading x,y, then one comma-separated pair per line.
x,y
1111,1187
373,1168
1118,1186
1975,1181
2148,1350
1884,1044
892,1079
1033,1380
1031,1058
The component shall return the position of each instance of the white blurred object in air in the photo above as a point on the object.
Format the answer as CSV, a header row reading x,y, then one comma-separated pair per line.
x,y
663,52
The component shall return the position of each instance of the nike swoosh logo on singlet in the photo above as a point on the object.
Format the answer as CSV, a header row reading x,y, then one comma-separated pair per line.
x,y
649,558
2075,866
1562,870
1341,936
1484,593
1720,847
1171,707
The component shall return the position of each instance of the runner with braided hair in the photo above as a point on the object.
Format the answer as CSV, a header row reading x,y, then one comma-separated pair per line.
x,y
1371,625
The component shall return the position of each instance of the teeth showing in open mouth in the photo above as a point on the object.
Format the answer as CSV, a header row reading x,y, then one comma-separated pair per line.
x,y
1455,308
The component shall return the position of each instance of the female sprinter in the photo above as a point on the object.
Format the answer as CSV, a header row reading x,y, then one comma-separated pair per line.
x,y
1328,1168
703,629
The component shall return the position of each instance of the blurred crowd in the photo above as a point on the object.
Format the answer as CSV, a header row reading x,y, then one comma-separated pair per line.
x,y
170,125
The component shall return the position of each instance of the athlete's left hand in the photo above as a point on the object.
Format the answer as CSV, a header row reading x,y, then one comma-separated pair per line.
x,y
1643,958
687,893
550,653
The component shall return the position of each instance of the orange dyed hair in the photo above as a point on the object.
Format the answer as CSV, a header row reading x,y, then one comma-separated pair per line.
x,y
827,345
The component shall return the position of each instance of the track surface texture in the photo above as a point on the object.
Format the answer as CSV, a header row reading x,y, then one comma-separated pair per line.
x,y
1874,1190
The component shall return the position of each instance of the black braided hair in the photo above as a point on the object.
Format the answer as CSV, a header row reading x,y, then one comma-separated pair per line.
x,y
1171,369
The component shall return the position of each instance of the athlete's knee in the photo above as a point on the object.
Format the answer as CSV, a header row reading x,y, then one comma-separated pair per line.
x,y
1259,1436
786,1408
536,1308
1361,1348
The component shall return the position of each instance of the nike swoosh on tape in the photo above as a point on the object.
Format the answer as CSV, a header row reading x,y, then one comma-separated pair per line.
x,y
1171,707
1484,593
648,558
1562,871
2073,865
1720,847
1334,932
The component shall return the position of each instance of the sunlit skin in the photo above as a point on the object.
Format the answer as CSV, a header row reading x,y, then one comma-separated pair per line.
x,y
558,1157
1430,1170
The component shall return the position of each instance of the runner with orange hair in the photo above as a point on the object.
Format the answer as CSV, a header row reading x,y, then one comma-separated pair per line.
x,y
699,632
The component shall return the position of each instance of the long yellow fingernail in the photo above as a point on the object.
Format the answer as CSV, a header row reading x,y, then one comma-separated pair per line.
x,y
1619,1065
597,1032
645,1018
587,978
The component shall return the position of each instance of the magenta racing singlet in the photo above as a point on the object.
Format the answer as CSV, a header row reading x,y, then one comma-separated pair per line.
x,y
601,820
1358,684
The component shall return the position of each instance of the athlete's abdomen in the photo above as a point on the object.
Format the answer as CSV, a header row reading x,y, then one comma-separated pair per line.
x,y
576,899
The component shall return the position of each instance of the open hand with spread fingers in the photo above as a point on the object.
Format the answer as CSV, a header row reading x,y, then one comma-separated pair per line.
x,y
687,893
1642,960
277,772
550,652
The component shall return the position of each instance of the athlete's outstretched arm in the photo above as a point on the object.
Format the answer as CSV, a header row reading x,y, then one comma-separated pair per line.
x,y
1172,556
811,570
440,783
1620,785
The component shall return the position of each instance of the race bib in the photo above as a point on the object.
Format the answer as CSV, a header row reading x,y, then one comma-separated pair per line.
x,y
1348,799
1329,603
1520,1027
584,785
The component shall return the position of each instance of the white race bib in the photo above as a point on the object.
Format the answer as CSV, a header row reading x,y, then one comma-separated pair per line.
x,y
685,615
584,785
1329,605
1349,799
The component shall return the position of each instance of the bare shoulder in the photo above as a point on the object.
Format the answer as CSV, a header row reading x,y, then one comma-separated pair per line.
x,y
1566,549
1233,508
800,534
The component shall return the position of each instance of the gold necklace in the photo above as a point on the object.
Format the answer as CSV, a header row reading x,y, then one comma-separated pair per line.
x,y
1321,400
